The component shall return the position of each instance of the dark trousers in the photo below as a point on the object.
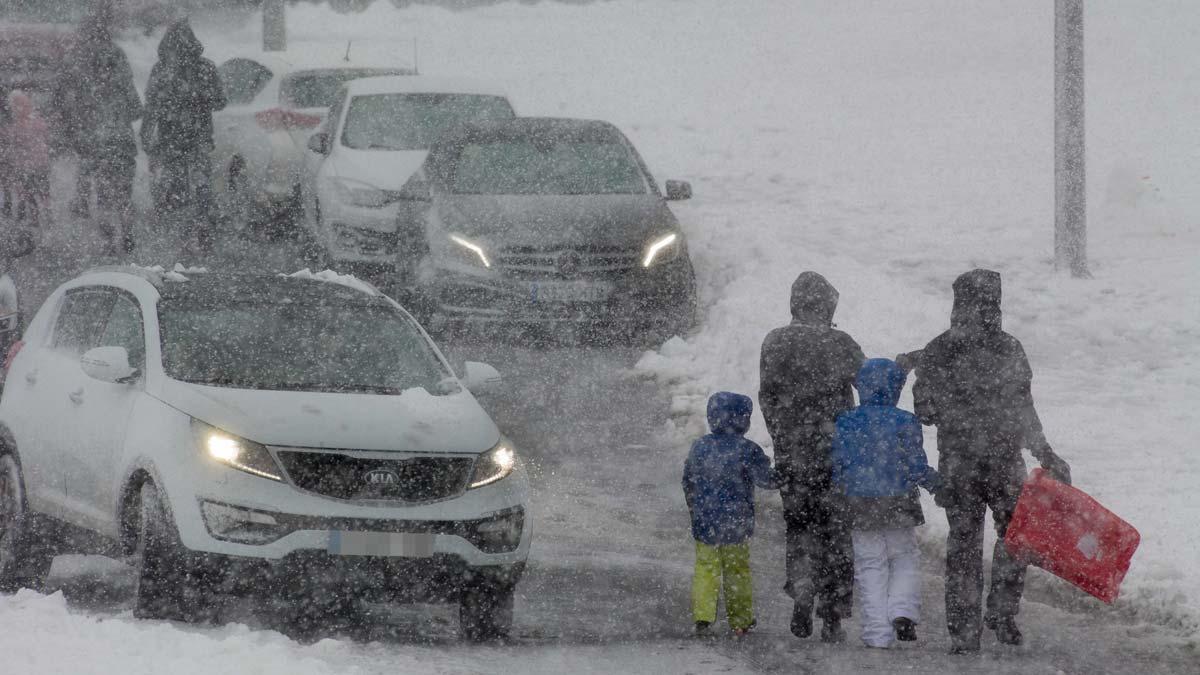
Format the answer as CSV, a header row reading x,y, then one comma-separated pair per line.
x,y
113,176
972,485
820,555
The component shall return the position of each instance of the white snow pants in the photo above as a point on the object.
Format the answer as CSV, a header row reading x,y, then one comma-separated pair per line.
x,y
889,582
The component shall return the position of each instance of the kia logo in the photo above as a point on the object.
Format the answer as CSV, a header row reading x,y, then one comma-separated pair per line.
x,y
382,477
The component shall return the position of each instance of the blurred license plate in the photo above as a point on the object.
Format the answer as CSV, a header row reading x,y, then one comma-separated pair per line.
x,y
396,544
569,291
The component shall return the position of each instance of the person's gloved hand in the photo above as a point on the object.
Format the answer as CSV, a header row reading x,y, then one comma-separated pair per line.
x,y
908,360
1056,466
941,496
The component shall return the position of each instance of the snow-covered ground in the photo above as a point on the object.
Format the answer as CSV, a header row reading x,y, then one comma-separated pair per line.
x,y
890,146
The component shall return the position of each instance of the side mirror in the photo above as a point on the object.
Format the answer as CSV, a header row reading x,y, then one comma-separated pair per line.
x,y
108,364
319,143
480,378
414,191
678,190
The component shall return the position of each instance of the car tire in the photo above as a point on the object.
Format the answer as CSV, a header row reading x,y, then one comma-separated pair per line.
x,y
25,557
170,584
485,611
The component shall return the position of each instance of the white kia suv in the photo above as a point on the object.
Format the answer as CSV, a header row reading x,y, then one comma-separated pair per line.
x,y
256,434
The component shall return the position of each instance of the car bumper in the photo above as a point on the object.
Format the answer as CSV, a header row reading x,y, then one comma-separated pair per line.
x,y
637,298
359,234
306,523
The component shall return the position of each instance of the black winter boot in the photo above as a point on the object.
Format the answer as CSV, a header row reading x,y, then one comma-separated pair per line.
x,y
802,622
1006,629
832,632
906,630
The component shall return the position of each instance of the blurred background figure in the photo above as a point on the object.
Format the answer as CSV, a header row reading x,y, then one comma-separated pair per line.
x,y
26,145
183,92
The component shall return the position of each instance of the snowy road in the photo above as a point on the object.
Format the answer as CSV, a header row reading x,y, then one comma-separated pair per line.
x,y
889,145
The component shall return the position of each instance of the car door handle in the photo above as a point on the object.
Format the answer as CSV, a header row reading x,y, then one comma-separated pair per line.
x,y
76,396
31,377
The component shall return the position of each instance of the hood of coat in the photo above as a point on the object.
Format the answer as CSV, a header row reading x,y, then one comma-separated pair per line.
x,y
729,413
180,43
880,382
814,299
976,302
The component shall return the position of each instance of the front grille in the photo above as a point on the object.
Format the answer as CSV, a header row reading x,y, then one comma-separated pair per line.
x,y
588,262
347,476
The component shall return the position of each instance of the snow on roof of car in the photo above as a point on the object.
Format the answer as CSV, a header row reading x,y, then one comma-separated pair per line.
x,y
329,276
422,84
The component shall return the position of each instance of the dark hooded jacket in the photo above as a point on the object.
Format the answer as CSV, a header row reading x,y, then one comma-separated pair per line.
x,y
807,371
878,455
94,102
974,380
721,472
183,92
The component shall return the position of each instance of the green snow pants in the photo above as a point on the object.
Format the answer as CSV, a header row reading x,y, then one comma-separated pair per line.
x,y
729,564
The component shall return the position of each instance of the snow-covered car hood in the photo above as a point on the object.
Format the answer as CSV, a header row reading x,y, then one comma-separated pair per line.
x,y
383,169
415,421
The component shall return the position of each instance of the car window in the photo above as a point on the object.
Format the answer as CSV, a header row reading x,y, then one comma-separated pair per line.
x,y
335,112
538,167
243,79
317,88
282,344
81,319
415,121
124,329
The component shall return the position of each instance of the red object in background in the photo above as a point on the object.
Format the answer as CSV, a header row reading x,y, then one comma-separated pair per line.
x,y
1067,533
278,118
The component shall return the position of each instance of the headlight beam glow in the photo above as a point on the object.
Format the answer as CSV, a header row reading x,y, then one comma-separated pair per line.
x,y
473,247
657,246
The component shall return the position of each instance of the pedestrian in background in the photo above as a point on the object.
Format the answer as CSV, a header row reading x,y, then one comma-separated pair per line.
x,y
183,92
975,384
878,462
27,147
719,478
807,371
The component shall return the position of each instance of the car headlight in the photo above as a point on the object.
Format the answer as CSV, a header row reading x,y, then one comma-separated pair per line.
x,y
475,252
357,193
494,465
663,249
235,452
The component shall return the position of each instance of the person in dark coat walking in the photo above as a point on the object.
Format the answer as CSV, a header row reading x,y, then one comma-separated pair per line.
x,y
974,383
183,93
807,370
719,477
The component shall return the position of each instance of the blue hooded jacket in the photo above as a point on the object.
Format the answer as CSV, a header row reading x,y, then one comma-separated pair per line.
x,y
878,455
721,471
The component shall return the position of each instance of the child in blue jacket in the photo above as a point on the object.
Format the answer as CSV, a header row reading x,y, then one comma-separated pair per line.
x,y
878,461
718,483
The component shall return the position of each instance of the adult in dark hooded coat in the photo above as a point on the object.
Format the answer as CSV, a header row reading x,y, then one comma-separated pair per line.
x,y
807,372
974,383
183,92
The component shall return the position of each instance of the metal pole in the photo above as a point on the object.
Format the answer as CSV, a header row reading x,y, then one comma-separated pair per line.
x,y
274,30
1070,161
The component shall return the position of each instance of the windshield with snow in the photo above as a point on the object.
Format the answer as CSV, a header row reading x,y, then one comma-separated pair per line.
x,y
414,121
283,345
529,167
318,88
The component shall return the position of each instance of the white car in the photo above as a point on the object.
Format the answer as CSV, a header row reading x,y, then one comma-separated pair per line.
x,y
275,102
377,134
238,433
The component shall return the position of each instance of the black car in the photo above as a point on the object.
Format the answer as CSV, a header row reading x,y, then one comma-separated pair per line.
x,y
543,222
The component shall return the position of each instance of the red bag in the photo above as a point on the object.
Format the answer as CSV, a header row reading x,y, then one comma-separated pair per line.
x,y
1069,534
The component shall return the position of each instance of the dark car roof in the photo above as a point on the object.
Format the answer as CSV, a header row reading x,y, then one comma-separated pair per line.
x,y
548,128
208,288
